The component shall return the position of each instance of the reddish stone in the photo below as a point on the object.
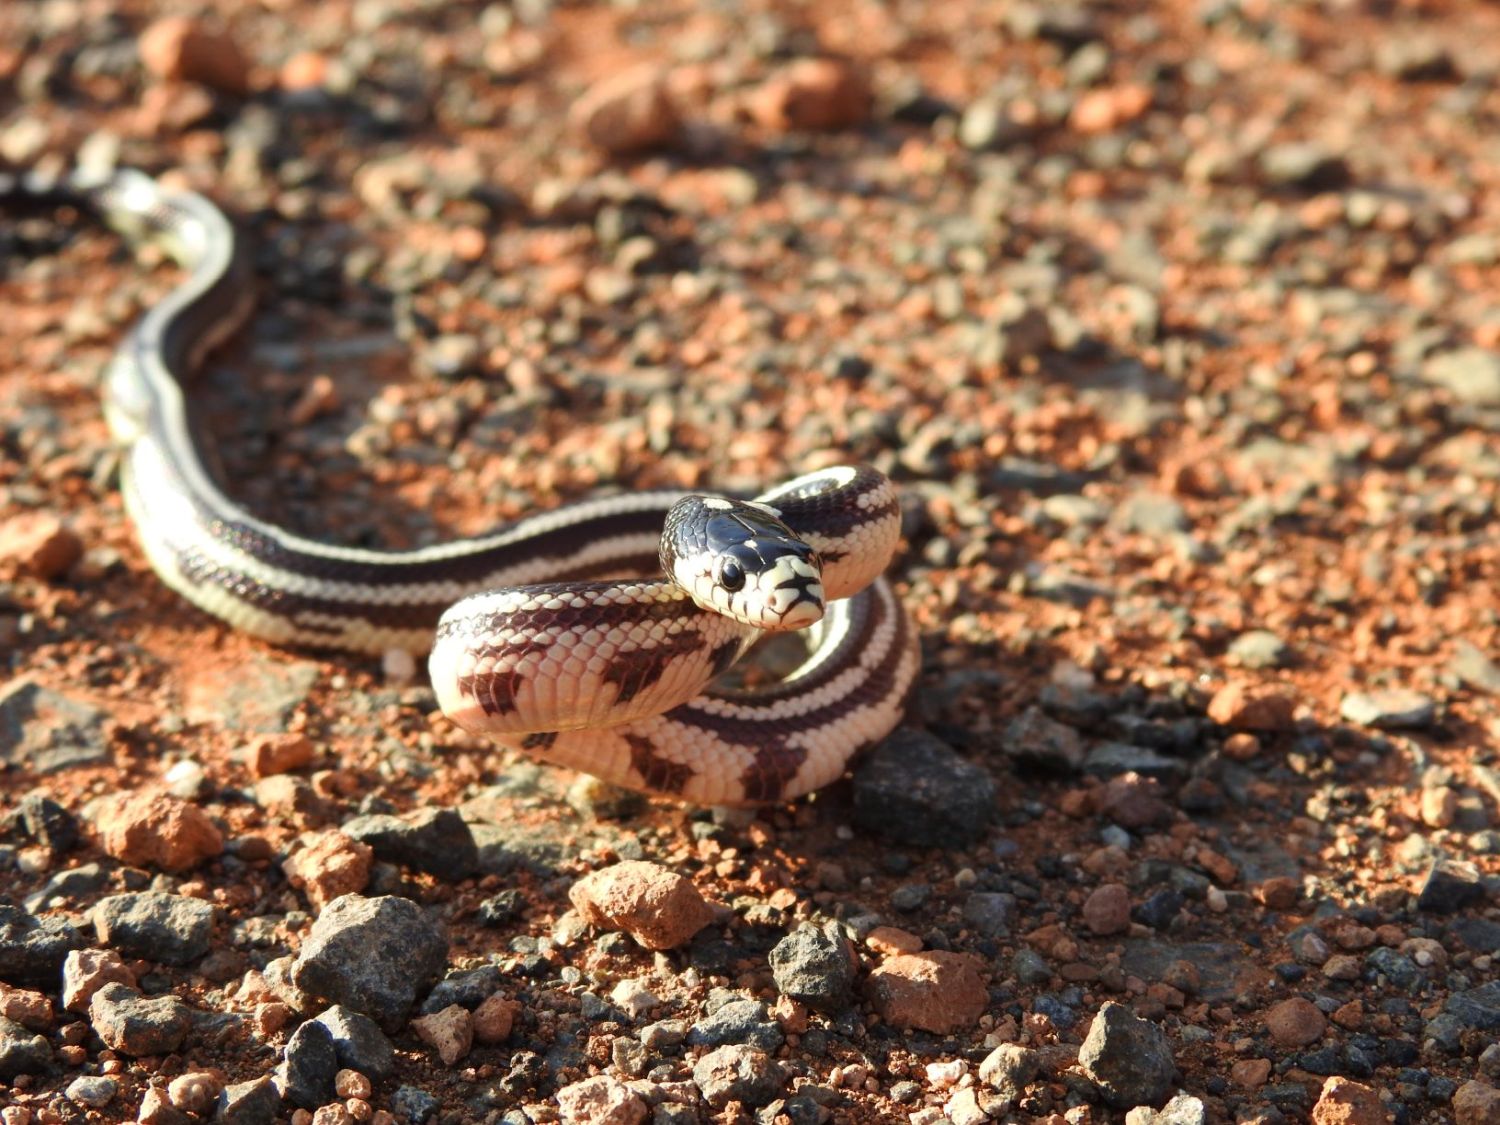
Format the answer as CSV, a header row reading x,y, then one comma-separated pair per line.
x,y
935,991
1246,707
657,907
1106,109
1250,1074
601,1100
1346,1102
180,49
629,112
1107,910
1133,801
156,829
892,939
450,1032
1295,1023
494,1018
1476,1103
40,543
818,94
278,753
30,1009
86,971
1279,893
331,864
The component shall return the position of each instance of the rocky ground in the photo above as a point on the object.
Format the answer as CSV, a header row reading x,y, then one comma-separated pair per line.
x,y
1174,321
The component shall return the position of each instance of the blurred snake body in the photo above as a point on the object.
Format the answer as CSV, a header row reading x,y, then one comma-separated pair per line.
x,y
546,634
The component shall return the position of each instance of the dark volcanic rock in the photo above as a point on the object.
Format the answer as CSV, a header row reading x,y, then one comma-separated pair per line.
x,y
374,955
172,929
916,790
436,841
1128,1058
32,950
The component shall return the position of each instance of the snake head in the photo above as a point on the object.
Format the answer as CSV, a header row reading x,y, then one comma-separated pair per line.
x,y
738,559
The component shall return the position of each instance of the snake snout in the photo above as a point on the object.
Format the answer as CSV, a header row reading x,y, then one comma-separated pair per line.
x,y
793,592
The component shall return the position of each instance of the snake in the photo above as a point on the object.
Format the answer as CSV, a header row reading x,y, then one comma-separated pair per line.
x,y
589,635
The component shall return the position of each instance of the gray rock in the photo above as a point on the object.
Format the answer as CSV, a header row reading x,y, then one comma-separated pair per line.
x,y
436,841
1260,648
414,1104
1396,967
47,822
1470,375
1303,164
92,1091
308,1065
359,1043
1451,884
1184,1109
468,989
1391,709
737,1074
1151,513
1128,1058
21,1051
1477,1009
256,1102
1110,759
1009,1069
1030,967
1224,971
1480,935
740,1022
915,790
32,950
67,888
815,966
45,731
135,1025
1036,739
989,912
374,955
171,929
1473,667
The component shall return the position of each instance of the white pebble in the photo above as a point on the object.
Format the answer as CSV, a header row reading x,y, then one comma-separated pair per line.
x,y
185,779
945,1074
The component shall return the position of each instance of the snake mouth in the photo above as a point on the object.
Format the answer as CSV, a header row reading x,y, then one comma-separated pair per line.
x,y
795,598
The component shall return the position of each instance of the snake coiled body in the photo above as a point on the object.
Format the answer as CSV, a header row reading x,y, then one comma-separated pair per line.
x,y
557,640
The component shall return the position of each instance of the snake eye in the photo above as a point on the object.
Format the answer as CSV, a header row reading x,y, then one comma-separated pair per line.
x,y
731,576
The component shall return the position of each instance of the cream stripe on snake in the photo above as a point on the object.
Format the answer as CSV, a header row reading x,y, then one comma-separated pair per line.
x,y
624,667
